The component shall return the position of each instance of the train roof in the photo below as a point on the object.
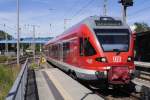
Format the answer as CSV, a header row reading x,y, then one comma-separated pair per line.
x,y
98,22
103,22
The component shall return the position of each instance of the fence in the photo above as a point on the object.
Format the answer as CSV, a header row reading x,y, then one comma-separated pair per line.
x,y
18,89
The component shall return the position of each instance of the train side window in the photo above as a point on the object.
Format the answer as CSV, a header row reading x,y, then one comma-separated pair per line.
x,y
66,49
88,48
49,53
81,46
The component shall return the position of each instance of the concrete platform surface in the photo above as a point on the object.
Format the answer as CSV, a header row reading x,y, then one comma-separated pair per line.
x,y
141,82
44,92
69,88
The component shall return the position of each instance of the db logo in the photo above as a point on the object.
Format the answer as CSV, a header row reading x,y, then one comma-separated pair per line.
x,y
117,58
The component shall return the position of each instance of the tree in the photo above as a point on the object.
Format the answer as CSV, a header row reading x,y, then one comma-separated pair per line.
x,y
2,35
141,27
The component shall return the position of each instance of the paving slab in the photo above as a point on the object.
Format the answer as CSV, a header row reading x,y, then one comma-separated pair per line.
x,y
44,91
69,88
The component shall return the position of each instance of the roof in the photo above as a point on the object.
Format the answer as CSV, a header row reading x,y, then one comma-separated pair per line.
x,y
143,33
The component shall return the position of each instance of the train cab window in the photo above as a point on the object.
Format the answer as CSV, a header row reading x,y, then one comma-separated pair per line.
x,y
86,48
113,39
81,46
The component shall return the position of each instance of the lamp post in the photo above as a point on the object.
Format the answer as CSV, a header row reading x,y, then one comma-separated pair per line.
x,y
65,22
18,37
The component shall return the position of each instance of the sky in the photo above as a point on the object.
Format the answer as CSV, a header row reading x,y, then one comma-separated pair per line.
x,y
48,15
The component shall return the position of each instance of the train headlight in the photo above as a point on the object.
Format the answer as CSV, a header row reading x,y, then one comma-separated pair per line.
x,y
131,71
102,59
129,59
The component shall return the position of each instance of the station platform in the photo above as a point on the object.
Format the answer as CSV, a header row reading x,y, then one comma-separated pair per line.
x,y
141,82
142,64
53,84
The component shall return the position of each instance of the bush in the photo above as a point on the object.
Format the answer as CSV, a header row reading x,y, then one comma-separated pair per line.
x,y
7,77
3,59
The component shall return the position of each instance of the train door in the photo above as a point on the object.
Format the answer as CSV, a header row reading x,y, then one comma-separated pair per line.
x,y
74,52
61,51
86,52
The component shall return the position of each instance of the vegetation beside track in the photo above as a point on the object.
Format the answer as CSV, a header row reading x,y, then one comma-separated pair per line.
x,y
34,65
4,59
7,77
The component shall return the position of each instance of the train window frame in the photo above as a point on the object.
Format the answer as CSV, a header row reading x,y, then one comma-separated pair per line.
x,y
83,47
88,46
129,41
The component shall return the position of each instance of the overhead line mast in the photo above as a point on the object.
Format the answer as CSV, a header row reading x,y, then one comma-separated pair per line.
x,y
18,35
105,8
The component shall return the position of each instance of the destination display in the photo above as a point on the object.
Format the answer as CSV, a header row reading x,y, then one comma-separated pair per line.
x,y
108,23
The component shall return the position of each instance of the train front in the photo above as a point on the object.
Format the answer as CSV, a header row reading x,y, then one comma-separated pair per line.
x,y
115,58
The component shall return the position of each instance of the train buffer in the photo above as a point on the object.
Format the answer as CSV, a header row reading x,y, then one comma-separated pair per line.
x,y
52,84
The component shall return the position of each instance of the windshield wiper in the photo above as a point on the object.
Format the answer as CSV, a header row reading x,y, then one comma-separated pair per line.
x,y
117,51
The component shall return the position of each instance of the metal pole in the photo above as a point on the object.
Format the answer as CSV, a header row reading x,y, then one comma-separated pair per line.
x,y
6,39
50,29
34,42
65,22
105,7
124,9
40,47
18,37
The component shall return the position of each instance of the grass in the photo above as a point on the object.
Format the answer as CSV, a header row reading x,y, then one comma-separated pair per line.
x,y
7,77
3,58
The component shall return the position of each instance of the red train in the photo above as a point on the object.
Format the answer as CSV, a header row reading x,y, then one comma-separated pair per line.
x,y
96,49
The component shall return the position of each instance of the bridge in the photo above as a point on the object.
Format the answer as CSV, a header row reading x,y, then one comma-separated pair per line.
x,y
27,41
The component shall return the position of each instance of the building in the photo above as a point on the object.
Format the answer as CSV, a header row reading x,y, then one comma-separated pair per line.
x,y
142,46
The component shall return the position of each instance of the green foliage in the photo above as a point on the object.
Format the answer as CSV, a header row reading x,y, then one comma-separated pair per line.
x,y
3,59
2,35
33,65
141,27
7,77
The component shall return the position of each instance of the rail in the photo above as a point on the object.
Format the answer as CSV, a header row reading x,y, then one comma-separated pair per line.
x,y
18,89
143,81
142,64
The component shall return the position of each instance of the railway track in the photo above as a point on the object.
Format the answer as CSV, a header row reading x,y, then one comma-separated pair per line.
x,y
107,94
116,94
14,61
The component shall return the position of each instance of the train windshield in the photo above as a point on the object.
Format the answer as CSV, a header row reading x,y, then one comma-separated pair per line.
x,y
113,39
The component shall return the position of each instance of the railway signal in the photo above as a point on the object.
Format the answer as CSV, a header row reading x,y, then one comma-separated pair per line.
x,y
125,4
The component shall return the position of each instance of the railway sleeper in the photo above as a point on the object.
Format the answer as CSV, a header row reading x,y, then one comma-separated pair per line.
x,y
145,93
